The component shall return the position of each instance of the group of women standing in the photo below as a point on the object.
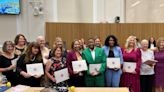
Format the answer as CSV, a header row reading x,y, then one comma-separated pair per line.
x,y
140,80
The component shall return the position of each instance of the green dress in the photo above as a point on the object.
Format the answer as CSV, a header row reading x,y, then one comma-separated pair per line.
x,y
100,58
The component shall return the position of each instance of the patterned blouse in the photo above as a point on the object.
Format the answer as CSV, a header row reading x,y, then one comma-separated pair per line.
x,y
58,65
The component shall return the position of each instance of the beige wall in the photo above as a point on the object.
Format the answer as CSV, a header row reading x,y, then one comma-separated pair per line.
x,y
88,11
50,10
75,10
144,11
26,23
107,10
8,27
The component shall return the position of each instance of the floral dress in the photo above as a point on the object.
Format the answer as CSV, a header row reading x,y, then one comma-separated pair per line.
x,y
58,65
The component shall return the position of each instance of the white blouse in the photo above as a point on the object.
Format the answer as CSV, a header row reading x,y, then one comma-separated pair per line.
x,y
146,69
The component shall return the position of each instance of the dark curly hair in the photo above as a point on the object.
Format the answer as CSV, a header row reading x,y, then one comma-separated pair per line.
x,y
107,40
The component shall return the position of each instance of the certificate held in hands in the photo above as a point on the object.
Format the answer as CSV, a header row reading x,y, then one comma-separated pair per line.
x,y
113,63
129,67
14,61
150,62
35,69
94,68
79,65
61,75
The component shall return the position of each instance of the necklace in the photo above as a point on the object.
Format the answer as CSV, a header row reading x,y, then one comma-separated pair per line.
x,y
33,58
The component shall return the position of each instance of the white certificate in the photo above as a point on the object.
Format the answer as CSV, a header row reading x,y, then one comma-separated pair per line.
x,y
94,68
14,61
79,65
113,63
18,88
35,69
129,67
61,75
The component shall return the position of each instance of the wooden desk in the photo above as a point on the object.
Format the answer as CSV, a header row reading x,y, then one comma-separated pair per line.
x,y
81,89
31,89
99,89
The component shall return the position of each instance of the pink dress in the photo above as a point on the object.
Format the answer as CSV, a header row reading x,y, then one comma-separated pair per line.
x,y
128,79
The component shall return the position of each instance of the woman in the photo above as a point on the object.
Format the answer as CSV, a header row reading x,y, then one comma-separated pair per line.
x,y
138,43
56,62
147,69
152,44
98,42
59,43
44,50
31,56
159,56
112,50
20,42
76,78
6,59
45,53
81,49
83,43
131,54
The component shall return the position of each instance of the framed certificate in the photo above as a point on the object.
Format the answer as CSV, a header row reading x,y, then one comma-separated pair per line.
x,y
94,68
61,75
79,65
129,67
35,69
113,63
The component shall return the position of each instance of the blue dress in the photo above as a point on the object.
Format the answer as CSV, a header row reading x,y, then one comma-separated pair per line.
x,y
113,77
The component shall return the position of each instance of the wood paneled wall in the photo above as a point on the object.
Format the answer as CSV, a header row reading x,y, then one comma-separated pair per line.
x,y
71,31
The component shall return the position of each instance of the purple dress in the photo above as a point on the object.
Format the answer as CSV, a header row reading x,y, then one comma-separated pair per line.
x,y
128,79
159,69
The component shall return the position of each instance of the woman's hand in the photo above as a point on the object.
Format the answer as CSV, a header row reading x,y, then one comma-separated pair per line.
x,y
37,76
134,72
123,70
11,67
53,79
75,72
26,75
116,69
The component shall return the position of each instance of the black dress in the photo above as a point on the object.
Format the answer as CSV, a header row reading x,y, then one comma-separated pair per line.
x,y
10,75
21,66
20,50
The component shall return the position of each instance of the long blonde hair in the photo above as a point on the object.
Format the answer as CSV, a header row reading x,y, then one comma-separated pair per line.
x,y
127,42
158,43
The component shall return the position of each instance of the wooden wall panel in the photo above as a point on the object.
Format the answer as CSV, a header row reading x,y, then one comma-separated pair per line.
x,y
71,31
